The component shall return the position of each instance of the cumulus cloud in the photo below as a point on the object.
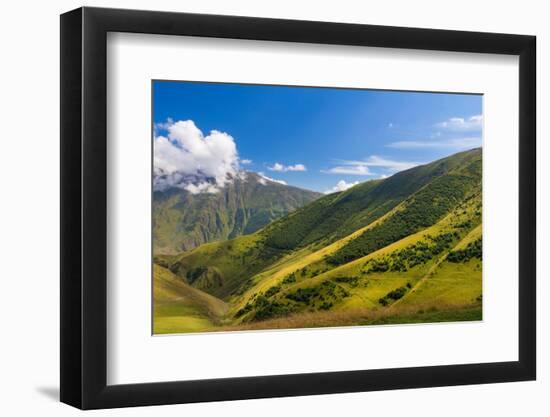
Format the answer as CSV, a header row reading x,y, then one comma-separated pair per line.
x,y
284,168
264,178
454,143
341,186
185,158
363,167
245,161
473,123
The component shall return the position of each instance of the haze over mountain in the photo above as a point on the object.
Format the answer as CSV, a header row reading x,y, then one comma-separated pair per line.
x,y
407,248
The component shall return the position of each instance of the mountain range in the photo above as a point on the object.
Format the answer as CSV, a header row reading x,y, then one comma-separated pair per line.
x,y
403,249
183,220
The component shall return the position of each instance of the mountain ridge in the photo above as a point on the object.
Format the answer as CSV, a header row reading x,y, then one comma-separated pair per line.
x,y
183,220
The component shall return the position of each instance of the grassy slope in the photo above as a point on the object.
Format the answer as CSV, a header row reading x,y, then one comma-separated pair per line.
x,y
229,264
315,259
362,317
370,287
296,261
450,284
234,263
337,215
362,307
178,307
423,208
248,266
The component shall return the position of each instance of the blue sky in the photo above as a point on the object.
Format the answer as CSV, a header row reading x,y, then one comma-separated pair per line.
x,y
316,138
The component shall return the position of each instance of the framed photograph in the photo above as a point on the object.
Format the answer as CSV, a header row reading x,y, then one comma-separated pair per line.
x,y
258,208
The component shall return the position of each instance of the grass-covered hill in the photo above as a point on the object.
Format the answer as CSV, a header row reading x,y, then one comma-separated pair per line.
x,y
183,221
404,249
179,307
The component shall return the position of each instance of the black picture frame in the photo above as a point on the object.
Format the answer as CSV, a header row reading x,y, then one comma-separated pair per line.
x,y
84,207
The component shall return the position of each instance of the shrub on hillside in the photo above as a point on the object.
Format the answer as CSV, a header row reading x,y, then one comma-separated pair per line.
x,y
347,280
472,250
272,291
289,279
304,295
394,295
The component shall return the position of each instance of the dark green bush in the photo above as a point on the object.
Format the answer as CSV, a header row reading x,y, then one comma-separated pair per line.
x,y
289,279
272,291
304,295
413,255
393,295
347,280
243,310
272,309
472,250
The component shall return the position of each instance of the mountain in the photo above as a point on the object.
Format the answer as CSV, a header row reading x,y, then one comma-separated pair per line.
x,y
403,249
183,220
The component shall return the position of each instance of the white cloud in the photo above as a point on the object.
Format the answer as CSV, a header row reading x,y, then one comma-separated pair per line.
x,y
473,123
346,169
391,165
163,125
469,127
284,168
276,167
456,143
186,156
363,167
341,186
201,187
245,161
264,177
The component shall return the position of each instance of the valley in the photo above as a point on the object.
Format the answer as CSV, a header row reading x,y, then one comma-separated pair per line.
x,y
404,249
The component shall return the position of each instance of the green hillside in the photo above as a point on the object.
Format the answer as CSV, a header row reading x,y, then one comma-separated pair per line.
x,y
339,214
178,307
183,221
403,249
